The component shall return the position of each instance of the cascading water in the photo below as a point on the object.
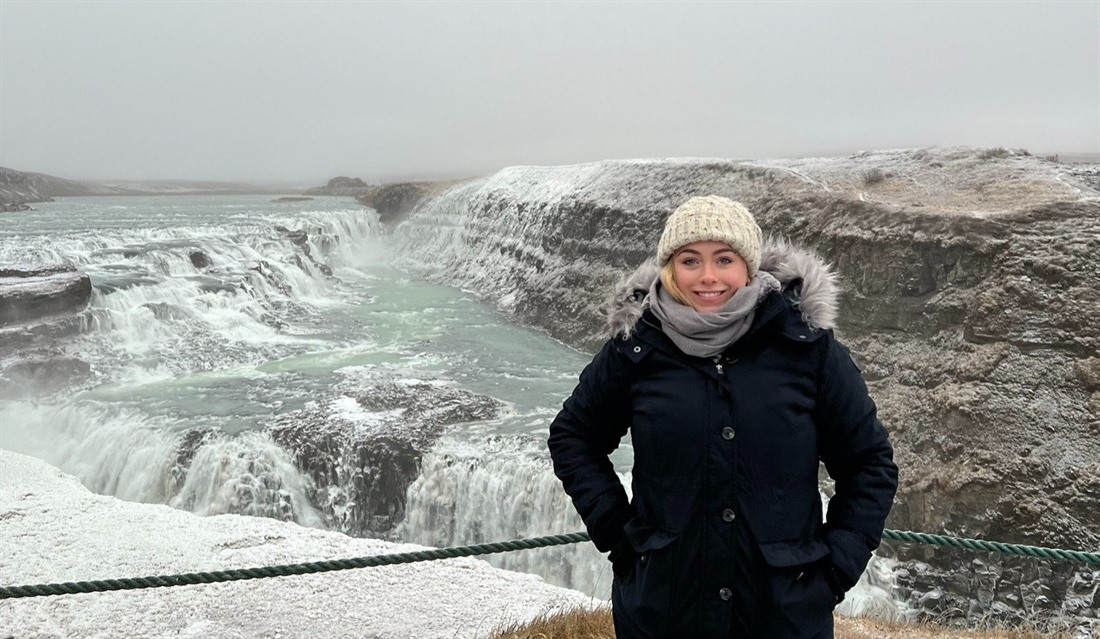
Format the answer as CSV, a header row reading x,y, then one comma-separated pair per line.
x,y
190,297
502,489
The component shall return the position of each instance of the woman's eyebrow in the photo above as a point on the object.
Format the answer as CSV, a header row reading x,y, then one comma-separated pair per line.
x,y
696,252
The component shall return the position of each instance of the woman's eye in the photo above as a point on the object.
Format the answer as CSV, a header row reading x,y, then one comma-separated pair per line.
x,y
725,261
688,261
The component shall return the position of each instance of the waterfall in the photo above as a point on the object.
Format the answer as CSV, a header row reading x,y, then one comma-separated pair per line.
x,y
118,450
499,489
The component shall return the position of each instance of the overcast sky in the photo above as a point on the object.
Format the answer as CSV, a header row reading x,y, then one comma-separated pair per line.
x,y
302,91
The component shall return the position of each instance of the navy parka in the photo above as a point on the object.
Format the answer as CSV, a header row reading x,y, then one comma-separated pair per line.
x,y
724,535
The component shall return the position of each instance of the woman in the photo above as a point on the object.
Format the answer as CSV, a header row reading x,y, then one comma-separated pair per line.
x,y
732,387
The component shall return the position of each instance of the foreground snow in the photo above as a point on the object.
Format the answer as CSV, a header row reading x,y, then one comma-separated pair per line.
x,y
52,529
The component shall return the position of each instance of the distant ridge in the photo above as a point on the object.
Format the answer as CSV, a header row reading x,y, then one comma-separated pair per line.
x,y
18,188
194,187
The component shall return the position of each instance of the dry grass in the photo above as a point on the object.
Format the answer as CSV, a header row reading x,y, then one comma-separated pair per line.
x,y
872,176
863,628
994,153
574,623
579,623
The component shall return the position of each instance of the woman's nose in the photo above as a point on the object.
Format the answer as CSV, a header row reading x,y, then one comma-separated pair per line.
x,y
708,273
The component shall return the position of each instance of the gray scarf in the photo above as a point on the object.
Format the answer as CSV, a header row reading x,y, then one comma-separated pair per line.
x,y
708,334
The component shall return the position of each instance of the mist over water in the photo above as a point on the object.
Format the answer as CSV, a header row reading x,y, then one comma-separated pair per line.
x,y
216,321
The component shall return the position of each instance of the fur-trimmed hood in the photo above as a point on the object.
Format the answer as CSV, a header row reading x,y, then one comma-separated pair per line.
x,y
812,285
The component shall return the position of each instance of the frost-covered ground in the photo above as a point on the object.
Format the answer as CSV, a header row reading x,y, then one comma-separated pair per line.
x,y
961,180
52,529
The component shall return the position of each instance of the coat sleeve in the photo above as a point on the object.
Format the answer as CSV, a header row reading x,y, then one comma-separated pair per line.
x,y
857,454
589,427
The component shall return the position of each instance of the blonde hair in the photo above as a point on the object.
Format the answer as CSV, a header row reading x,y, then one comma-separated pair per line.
x,y
668,281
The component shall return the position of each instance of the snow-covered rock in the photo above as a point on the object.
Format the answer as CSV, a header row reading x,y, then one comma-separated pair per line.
x,y
52,530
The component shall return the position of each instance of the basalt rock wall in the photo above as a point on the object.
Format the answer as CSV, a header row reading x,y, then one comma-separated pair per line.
x,y
971,292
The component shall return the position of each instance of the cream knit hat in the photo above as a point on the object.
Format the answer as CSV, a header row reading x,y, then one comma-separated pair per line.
x,y
712,217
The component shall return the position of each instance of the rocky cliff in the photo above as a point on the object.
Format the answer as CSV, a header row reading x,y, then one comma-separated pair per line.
x,y
971,297
394,202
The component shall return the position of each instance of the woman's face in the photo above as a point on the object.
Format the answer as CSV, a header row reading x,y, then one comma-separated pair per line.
x,y
709,273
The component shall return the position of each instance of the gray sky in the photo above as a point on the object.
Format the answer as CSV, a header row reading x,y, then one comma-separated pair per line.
x,y
302,91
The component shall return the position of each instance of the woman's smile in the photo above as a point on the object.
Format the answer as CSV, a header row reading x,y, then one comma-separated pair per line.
x,y
710,295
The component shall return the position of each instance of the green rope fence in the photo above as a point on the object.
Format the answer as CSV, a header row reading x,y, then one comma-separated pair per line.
x,y
1039,552
163,581
285,570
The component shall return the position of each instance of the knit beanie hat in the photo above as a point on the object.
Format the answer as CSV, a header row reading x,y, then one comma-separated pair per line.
x,y
712,217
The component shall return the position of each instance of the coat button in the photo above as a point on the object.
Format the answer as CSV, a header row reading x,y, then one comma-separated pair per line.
x,y
726,594
637,349
727,433
728,515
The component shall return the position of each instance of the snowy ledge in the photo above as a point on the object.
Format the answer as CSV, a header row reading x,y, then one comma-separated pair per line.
x,y
52,529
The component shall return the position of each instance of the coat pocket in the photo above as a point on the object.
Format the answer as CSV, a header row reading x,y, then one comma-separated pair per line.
x,y
802,600
644,594
643,538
